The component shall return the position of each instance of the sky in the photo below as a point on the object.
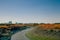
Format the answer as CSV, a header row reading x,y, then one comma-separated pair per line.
x,y
30,11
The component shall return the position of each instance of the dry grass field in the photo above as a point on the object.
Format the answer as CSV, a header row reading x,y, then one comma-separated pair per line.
x,y
49,26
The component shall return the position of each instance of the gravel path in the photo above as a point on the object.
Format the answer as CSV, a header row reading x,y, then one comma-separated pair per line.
x,y
20,35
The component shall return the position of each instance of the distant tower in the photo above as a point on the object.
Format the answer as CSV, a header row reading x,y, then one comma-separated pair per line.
x,y
10,22
16,22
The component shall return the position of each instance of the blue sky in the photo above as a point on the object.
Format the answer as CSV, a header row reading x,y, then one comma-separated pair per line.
x,y
30,11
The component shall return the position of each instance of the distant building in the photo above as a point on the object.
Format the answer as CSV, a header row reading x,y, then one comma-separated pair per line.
x,y
10,22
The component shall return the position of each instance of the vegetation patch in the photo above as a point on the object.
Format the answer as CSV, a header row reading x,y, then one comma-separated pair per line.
x,y
34,36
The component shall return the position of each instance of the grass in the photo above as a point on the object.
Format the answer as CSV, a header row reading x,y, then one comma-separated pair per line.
x,y
33,36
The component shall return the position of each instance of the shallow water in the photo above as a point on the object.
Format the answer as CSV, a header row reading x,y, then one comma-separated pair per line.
x,y
17,35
